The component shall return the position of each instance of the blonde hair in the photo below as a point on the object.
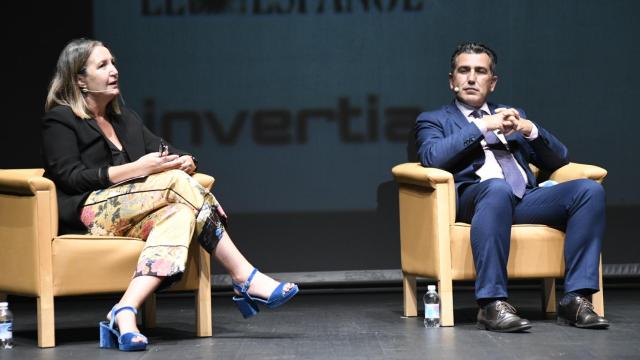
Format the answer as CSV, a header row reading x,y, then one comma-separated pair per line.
x,y
64,89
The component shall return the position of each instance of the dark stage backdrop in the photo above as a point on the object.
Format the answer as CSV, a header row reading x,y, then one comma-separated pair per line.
x,y
300,108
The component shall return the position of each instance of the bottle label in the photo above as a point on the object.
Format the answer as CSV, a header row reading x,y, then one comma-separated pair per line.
x,y
432,311
6,331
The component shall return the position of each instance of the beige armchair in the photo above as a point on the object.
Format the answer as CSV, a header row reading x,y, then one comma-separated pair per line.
x,y
434,245
35,261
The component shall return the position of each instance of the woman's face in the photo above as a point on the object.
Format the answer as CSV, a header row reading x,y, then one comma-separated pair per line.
x,y
101,76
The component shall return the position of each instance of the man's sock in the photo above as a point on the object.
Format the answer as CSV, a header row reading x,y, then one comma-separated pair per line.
x,y
585,293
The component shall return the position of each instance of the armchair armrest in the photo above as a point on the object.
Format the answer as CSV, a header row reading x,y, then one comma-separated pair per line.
x,y
29,196
205,180
24,182
29,181
28,222
416,174
427,208
574,171
435,179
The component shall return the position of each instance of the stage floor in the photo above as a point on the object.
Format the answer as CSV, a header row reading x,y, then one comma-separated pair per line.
x,y
343,324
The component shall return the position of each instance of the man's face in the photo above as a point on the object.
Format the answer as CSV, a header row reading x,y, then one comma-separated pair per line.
x,y
473,78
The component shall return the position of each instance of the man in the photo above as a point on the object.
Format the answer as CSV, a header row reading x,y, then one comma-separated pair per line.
x,y
487,147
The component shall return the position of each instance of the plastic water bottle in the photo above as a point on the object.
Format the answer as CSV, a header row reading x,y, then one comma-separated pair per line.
x,y
6,326
431,308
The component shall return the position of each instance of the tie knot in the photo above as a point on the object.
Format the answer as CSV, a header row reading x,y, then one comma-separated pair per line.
x,y
478,114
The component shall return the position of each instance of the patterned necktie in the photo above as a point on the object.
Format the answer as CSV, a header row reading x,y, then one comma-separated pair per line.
x,y
512,174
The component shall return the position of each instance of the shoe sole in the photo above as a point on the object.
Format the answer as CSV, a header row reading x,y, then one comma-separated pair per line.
x,y
290,294
565,322
597,326
510,330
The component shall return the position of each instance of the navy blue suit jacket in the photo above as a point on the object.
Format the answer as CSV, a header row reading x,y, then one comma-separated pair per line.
x,y
447,140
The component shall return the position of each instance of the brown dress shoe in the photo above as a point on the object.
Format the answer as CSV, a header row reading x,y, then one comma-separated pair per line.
x,y
501,317
579,313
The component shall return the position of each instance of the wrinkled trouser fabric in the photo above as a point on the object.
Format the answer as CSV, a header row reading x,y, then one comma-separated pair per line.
x,y
167,210
576,207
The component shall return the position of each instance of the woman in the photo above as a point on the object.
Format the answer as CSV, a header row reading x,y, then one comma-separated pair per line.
x,y
115,177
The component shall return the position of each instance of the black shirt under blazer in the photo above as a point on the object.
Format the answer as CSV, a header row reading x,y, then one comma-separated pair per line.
x,y
77,156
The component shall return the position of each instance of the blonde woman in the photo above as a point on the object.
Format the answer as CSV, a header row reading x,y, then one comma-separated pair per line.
x,y
115,177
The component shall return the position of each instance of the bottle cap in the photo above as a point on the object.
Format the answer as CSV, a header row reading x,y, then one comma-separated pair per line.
x,y
431,287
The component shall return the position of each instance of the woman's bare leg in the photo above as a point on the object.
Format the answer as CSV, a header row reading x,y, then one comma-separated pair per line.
x,y
239,269
231,259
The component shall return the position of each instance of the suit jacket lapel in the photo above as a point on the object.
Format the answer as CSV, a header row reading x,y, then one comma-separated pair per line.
x,y
456,116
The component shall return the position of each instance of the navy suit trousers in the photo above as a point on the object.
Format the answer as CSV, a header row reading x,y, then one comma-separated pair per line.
x,y
576,207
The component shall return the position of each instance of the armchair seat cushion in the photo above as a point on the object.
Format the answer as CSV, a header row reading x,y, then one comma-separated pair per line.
x,y
84,258
536,252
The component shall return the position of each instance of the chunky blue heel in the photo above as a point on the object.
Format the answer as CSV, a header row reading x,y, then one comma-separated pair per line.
x,y
247,304
110,338
247,308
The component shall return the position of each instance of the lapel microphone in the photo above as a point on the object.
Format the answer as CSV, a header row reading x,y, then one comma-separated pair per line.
x,y
456,89
85,90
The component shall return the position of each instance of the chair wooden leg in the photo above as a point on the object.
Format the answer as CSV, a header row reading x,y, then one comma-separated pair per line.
x,y
149,312
409,291
598,298
598,302
46,322
203,296
445,290
549,295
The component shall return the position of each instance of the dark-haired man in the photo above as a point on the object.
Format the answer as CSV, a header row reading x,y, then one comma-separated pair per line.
x,y
488,147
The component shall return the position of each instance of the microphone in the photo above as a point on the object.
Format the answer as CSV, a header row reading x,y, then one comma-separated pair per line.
x,y
85,90
456,89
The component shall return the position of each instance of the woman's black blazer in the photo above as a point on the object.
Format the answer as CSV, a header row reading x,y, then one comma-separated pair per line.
x,y
77,155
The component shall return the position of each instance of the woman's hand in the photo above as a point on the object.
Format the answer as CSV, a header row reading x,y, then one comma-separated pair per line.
x,y
155,162
187,165
151,163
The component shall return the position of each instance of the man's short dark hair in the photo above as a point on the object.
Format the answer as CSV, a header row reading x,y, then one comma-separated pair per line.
x,y
474,48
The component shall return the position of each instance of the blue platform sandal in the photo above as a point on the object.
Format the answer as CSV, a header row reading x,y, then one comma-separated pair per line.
x,y
110,338
247,304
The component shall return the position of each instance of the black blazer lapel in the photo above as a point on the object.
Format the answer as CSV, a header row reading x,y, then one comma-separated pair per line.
x,y
94,125
133,146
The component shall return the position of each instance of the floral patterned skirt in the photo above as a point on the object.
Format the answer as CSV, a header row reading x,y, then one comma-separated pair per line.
x,y
167,210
